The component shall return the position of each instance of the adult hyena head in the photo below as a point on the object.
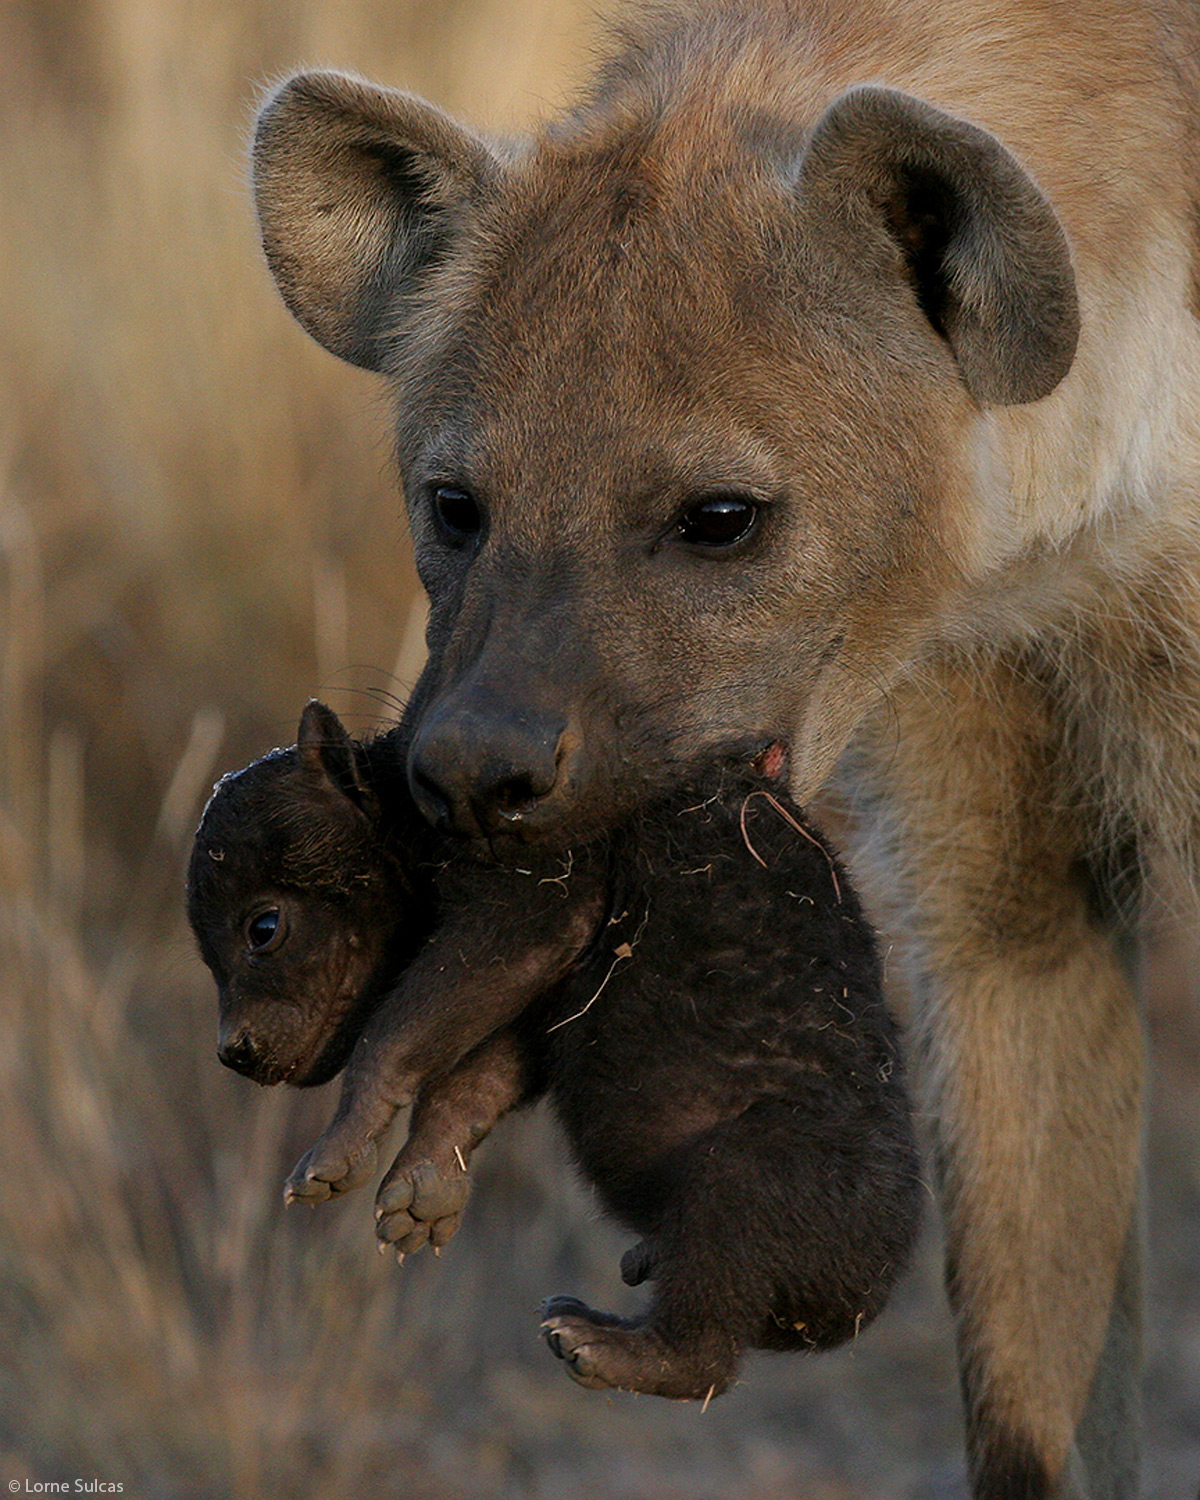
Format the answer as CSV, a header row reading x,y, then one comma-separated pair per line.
x,y
688,393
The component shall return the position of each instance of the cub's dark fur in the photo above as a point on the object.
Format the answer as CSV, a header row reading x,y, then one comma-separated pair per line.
x,y
698,994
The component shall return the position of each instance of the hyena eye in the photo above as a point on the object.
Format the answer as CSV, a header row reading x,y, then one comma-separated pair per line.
x,y
457,513
718,521
265,930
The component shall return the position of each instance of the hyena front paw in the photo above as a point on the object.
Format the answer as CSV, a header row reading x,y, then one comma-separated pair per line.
x,y
604,1352
421,1200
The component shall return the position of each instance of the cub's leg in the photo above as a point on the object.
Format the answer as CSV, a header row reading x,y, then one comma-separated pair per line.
x,y
688,1343
489,961
1030,1048
783,1228
422,1197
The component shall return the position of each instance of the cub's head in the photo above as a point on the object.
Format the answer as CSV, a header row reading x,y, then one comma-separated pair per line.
x,y
688,401
297,905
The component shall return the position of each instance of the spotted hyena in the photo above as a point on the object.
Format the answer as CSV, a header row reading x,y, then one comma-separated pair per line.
x,y
830,374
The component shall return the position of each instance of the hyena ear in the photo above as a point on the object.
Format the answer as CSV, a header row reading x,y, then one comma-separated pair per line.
x,y
357,188
983,249
329,755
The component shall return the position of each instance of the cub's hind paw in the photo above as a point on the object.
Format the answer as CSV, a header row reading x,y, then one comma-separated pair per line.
x,y
577,1335
604,1352
420,1202
324,1173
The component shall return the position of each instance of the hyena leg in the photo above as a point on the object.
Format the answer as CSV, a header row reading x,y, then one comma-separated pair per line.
x,y
1030,1052
1038,1134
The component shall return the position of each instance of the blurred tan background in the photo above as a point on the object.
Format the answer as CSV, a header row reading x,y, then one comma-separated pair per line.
x,y
198,529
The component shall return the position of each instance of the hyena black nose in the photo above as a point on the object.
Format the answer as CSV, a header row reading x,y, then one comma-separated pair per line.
x,y
238,1051
480,772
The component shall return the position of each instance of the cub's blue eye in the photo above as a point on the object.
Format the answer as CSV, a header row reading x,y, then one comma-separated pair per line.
x,y
457,513
264,931
718,521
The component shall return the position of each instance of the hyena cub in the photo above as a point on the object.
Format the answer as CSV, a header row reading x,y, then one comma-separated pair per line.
x,y
698,994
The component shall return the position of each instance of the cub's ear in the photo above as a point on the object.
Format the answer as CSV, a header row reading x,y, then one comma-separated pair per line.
x,y
356,188
329,755
983,249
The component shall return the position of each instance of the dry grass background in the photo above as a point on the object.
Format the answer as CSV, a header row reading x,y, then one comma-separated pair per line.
x,y
198,528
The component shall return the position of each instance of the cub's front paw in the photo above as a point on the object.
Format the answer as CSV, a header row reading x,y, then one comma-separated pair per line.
x,y
421,1200
333,1166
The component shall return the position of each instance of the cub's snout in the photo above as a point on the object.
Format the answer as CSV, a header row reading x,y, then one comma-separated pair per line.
x,y
239,1051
